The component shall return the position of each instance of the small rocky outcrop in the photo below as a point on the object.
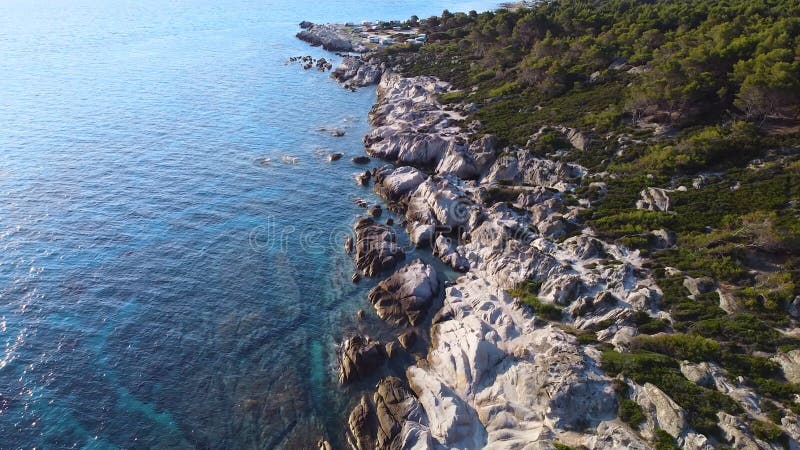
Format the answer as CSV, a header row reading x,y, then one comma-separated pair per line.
x,y
389,421
738,432
421,234
790,363
330,37
699,286
576,138
362,426
654,199
404,297
376,247
359,356
363,177
468,162
335,156
355,72
360,159
375,211
661,412
407,339
522,168
394,184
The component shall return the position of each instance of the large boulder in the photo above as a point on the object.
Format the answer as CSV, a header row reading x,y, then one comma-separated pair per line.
x,y
354,72
394,406
421,234
493,379
660,411
404,297
521,167
790,363
362,427
410,125
396,183
390,421
359,356
468,162
407,147
440,201
376,247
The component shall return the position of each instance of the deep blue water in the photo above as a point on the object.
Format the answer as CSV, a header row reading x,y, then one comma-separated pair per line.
x,y
158,287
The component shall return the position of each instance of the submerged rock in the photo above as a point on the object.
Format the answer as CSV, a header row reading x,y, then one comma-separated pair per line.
x,y
363,178
404,297
375,211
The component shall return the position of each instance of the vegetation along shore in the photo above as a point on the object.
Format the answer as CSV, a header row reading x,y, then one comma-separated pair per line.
x,y
618,182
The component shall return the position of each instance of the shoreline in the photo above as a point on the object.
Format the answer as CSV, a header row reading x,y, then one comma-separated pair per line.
x,y
516,347
424,168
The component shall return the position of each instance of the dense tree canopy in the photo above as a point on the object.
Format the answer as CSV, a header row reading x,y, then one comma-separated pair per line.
x,y
689,57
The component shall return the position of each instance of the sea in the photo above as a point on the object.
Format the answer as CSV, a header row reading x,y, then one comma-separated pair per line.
x,y
172,271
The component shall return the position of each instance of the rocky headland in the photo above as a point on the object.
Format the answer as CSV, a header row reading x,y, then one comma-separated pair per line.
x,y
514,360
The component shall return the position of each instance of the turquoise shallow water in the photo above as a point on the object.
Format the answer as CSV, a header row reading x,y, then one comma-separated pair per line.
x,y
158,287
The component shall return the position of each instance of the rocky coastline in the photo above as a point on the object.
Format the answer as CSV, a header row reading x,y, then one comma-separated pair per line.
x,y
504,370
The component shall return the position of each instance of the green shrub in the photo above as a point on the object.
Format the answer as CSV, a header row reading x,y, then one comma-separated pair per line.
x,y
527,294
701,404
647,324
630,412
742,329
560,446
766,431
681,346
452,96
664,441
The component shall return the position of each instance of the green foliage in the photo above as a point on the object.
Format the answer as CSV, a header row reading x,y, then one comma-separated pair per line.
x,y
663,441
634,222
681,346
559,446
701,57
743,329
527,294
647,324
766,431
452,96
497,194
630,412
701,404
